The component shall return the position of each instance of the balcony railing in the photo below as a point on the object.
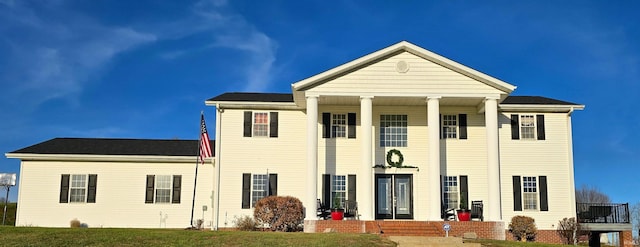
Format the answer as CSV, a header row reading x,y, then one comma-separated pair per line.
x,y
606,213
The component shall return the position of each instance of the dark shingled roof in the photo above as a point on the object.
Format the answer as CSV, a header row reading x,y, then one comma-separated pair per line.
x,y
254,97
103,146
534,100
287,97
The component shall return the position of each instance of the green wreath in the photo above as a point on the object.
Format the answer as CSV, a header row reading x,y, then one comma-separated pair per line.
x,y
390,156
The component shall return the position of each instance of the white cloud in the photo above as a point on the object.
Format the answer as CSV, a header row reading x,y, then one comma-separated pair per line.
x,y
228,30
52,57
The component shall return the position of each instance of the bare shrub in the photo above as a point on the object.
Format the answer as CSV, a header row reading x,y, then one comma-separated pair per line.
x,y
75,223
569,230
523,228
245,223
279,213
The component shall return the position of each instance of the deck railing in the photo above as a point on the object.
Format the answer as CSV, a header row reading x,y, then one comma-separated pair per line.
x,y
606,213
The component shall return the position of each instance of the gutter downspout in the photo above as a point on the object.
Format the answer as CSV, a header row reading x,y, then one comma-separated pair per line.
x,y
217,163
570,161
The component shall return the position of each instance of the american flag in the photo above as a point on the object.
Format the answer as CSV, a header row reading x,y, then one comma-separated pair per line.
x,y
205,146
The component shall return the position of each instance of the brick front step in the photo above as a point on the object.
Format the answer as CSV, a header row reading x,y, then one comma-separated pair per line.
x,y
409,228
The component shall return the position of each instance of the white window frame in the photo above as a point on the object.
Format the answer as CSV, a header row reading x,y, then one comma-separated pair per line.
x,y
530,193
338,125
529,126
259,187
78,188
451,191
163,189
450,126
394,130
338,189
254,125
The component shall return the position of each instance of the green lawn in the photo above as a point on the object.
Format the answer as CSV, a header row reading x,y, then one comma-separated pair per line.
x,y
31,236
35,236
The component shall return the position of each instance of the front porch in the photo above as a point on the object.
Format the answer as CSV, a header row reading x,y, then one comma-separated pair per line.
x,y
482,229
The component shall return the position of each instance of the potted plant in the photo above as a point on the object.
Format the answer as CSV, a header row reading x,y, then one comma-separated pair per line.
x,y
337,212
464,214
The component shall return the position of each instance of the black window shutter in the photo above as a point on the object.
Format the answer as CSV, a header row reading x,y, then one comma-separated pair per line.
x,y
247,123
64,188
246,190
462,123
540,125
515,127
91,192
544,201
351,188
149,192
464,189
517,194
440,126
273,184
177,185
326,125
326,189
351,122
273,124
442,206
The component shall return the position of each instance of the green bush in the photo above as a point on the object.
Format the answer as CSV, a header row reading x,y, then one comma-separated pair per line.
x,y
523,228
279,213
245,223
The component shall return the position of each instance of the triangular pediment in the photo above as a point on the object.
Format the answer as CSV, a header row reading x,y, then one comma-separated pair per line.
x,y
402,69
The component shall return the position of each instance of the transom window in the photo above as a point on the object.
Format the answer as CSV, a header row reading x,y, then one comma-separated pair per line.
x,y
260,124
260,188
393,130
163,189
450,191
338,189
527,127
78,188
530,193
449,126
339,125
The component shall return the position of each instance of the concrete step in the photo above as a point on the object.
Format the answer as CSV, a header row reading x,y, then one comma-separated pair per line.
x,y
409,241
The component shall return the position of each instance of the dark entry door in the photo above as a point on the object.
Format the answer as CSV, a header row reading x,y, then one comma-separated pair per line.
x,y
394,196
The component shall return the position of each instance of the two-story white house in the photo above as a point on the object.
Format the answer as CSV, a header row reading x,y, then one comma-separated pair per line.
x,y
404,132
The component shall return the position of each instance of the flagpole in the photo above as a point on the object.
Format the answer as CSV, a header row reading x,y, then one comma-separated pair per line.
x,y
195,179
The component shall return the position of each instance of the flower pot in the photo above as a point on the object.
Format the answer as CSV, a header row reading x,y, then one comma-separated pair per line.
x,y
337,214
464,215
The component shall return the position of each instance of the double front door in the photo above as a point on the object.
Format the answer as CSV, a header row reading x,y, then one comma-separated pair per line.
x,y
394,196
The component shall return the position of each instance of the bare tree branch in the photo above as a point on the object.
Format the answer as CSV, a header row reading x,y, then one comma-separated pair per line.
x,y
591,194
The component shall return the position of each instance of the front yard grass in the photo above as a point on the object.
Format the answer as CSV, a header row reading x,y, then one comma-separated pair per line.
x,y
34,236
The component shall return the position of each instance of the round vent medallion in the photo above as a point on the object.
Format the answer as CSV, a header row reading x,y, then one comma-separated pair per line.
x,y
402,67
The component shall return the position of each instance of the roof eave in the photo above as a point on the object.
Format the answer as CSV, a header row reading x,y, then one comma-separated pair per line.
x,y
252,105
540,108
102,157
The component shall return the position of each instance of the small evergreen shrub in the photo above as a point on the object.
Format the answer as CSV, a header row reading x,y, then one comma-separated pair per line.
x,y
523,228
245,223
75,223
279,213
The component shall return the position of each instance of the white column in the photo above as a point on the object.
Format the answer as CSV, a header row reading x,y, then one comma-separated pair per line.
x,y
433,120
493,159
312,158
365,176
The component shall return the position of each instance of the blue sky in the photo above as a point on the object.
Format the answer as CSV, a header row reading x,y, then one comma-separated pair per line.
x,y
142,69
